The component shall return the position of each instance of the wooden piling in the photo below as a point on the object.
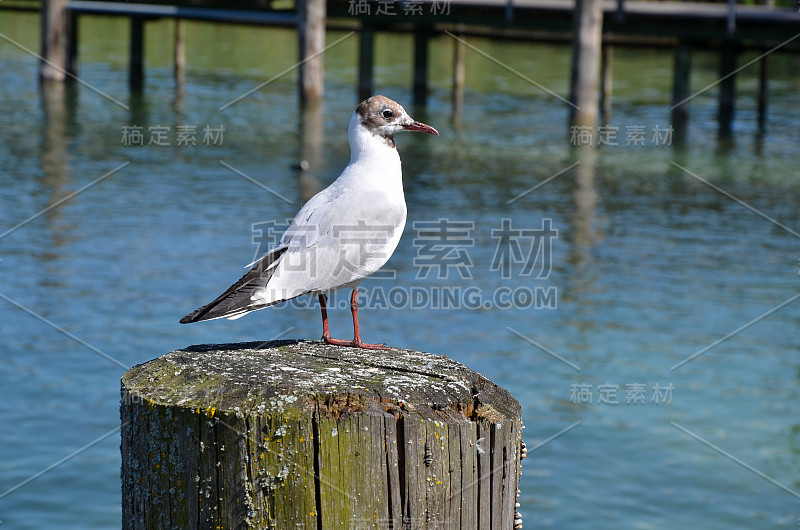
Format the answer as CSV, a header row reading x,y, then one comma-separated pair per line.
x,y
366,44
180,54
586,46
763,81
727,87
72,46
299,434
422,35
311,35
136,64
54,40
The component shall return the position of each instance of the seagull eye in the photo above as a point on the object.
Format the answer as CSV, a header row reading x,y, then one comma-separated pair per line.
x,y
387,114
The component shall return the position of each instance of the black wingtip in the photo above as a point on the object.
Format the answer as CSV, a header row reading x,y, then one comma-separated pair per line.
x,y
196,315
200,313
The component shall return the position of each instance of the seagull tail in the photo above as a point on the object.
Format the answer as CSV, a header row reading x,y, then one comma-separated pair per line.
x,y
237,300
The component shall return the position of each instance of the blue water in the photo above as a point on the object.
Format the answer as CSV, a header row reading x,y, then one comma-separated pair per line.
x,y
650,267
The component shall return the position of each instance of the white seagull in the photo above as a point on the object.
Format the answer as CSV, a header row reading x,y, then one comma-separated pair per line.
x,y
342,235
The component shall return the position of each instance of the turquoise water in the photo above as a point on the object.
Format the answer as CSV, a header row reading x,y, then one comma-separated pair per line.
x,y
650,266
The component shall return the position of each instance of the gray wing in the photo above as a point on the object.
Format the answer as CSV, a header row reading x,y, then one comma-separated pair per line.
x,y
337,244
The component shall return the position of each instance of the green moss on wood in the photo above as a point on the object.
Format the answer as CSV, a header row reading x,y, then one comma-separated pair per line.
x,y
227,436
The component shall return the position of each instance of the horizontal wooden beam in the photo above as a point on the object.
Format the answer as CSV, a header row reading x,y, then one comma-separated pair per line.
x,y
189,13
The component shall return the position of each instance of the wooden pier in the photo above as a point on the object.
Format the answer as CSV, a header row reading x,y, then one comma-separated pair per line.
x,y
589,26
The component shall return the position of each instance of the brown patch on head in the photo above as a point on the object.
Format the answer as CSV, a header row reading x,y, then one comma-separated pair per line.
x,y
378,111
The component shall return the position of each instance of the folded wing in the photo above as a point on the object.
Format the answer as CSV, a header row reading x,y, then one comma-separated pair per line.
x,y
241,297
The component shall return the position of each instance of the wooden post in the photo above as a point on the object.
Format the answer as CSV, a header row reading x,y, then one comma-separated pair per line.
x,y
299,434
681,74
586,44
763,81
365,61
727,87
421,37
607,82
180,54
136,65
55,40
72,46
311,35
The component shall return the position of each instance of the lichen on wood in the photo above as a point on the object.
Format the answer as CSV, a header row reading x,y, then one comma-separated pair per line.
x,y
300,434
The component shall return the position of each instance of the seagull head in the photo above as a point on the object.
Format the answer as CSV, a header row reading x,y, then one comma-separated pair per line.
x,y
380,118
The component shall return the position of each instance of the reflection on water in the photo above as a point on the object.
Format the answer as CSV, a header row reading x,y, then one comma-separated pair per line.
x,y
58,113
651,264
312,129
586,198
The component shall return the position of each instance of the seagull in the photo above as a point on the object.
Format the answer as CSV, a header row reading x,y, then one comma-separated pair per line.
x,y
342,235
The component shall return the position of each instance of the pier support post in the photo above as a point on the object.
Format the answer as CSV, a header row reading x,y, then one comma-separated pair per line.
x,y
136,65
681,73
763,81
72,46
311,33
299,434
55,40
586,46
422,35
727,87
180,54
366,49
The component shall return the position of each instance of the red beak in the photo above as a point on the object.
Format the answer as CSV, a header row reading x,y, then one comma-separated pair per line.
x,y
421,127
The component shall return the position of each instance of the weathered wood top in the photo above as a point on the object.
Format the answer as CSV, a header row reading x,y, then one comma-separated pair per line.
x,y
300,434
250,377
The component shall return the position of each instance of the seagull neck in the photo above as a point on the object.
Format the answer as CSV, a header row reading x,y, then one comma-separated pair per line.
x,y
367,149
363,142
374,152
374,162
377,169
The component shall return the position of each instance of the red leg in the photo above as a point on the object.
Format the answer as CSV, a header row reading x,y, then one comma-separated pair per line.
x,y
356,335
356,342
326,333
